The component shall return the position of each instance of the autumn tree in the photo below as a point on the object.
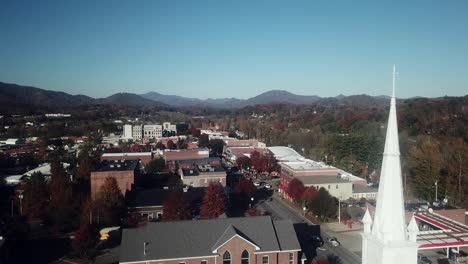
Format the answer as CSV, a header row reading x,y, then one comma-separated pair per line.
x,y
61,209
155,165
203,141
176,208
324,205
213,204
309,195
243,191
181,144
160,145
36,195
295,189
244,162
170,144
85,166
216,146
425,164
111,202
84,240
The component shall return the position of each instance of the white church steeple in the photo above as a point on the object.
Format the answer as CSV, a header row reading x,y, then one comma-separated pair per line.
x,y
388,241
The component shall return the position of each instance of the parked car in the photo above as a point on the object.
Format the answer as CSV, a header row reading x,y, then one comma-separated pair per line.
x,y
333,241
423,259
268,186
317,241
256,184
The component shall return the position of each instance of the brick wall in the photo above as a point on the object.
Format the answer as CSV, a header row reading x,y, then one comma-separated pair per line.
x,y
125,180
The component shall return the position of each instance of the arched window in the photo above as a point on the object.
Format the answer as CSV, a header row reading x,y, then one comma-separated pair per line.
x,y
227,258
245,257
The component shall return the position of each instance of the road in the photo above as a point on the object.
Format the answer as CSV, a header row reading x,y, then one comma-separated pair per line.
x,y
305,229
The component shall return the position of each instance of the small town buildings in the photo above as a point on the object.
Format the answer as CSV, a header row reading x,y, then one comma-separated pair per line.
x,y
144,157
364,191
255,240
173,156
202,175
149,203
233,153
337,187
149,131
234,142
124,171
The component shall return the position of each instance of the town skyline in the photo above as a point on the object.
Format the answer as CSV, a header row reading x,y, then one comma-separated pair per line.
x,y
213,50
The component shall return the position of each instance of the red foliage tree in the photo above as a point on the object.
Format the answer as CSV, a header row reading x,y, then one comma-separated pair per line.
x,y
262,162
309,195
195,132
245,187
176,208
244,162
170,145
61,197
160,145
213,201
295,189
83,240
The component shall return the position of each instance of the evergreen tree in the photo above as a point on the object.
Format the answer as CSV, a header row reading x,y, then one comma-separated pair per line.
x,y
84,240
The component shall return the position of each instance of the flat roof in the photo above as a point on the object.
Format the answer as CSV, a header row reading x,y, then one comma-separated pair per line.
x,y
130,154
310,180
118,165
359,188
307,165
282,153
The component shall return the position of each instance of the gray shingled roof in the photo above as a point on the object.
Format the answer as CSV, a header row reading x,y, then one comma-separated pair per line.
x,y
184,239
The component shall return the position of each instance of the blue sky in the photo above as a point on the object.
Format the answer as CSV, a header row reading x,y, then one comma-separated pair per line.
x,y
215,49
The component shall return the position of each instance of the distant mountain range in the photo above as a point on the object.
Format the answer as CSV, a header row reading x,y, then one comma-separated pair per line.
x,y
15,96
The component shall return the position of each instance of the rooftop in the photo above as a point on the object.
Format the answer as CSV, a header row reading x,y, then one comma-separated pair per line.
x,y
199,238
310,180
285,154
129,154
359,188
118,165
307,164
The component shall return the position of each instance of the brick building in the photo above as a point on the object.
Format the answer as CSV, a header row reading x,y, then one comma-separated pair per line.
x,y
124,171
253,240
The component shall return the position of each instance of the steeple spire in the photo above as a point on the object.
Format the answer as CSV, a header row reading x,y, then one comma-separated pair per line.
x,y
389,221
390,241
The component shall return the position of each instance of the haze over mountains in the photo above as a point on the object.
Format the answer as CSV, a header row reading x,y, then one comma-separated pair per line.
x,y
13,95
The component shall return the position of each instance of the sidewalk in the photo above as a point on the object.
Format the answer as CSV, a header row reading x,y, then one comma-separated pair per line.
x,y
297,209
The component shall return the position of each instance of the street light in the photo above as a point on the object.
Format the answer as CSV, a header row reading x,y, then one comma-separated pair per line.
x,y
21,203
251,201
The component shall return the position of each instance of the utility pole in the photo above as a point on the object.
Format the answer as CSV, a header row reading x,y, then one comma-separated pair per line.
x,y
339,210
436,191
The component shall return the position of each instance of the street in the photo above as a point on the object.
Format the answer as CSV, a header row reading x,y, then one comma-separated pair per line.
x,y
305,230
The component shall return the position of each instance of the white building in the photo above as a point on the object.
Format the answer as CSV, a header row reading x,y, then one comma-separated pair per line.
x,y
137,132
337,187
152,131
127,132
387,239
